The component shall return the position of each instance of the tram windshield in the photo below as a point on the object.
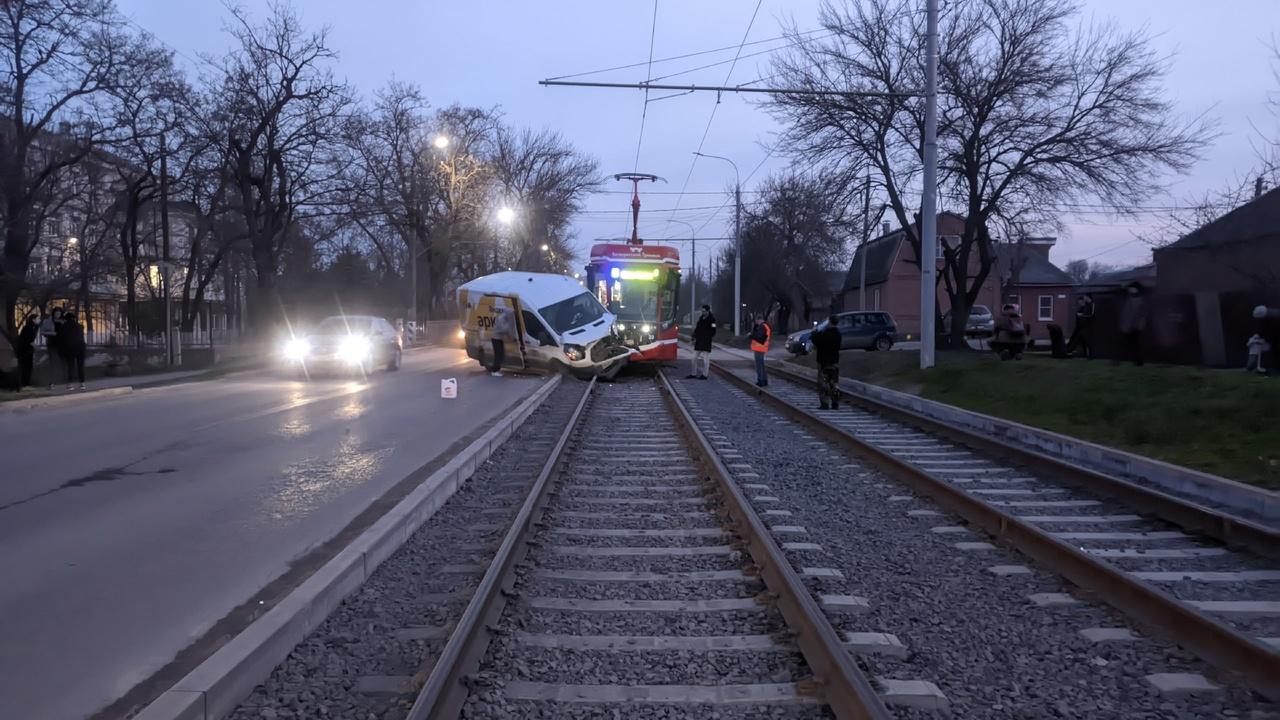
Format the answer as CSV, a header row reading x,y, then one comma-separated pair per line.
x,y
636,296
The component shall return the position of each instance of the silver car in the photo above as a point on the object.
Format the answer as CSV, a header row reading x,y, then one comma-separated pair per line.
x,y
346,343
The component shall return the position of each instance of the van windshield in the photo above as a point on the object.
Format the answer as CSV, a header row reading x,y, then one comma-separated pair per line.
x,y
577,311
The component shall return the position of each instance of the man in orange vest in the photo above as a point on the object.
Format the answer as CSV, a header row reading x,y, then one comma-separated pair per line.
x,y
760,335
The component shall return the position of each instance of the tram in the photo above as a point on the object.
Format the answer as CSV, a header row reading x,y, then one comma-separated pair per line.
x,y
640,285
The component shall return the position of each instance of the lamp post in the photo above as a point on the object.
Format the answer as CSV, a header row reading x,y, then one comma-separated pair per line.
x,y
439,142
737,242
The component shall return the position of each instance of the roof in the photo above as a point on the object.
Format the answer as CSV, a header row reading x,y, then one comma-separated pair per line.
x,y
536,289
624,252
880,252
1145,274
1257,219
1036,268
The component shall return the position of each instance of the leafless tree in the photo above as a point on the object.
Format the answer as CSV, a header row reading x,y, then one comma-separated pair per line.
x,y
547,179
285,113
64,64
795,232
1034,114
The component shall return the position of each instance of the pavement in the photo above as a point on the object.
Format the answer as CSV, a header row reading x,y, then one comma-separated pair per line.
x,y
130,525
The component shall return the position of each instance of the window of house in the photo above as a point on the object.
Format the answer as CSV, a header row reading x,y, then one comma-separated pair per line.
x,y
1045,308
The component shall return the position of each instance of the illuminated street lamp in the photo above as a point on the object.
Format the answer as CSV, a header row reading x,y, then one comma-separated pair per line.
x,y
506,215
441,142
545,247
72,241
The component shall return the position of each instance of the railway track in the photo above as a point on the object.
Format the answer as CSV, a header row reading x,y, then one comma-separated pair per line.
x,y
637,582
1208,580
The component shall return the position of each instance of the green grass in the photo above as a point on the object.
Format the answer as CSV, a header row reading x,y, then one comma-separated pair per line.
x,y
1220,421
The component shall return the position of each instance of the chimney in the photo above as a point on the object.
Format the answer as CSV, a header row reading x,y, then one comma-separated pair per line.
x,y
1257,188
884,228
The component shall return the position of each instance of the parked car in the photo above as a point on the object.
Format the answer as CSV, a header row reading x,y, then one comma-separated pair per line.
x,y
859,330
981,323
346,342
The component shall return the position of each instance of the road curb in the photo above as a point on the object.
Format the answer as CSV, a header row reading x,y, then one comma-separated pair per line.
x,y
17,406
214,688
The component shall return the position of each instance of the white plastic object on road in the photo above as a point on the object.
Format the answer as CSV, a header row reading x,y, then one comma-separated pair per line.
x,y
449,388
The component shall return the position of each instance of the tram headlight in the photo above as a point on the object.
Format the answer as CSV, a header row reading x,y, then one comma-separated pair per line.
x,y
575,352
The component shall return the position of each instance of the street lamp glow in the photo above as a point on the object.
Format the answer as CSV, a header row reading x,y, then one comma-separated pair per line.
x,y
506,215
441,142
545,247
73,240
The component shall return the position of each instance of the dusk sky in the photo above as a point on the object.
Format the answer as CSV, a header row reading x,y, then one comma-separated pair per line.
x,y
494,53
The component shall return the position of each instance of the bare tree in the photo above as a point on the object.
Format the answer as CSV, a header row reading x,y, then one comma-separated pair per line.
x,y
547,179
285,112
1033,115
64,63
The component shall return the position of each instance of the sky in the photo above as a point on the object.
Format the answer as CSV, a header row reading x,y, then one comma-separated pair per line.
x,y
492,53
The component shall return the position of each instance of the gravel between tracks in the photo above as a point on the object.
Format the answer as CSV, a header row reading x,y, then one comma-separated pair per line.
x,y
993,653
321,677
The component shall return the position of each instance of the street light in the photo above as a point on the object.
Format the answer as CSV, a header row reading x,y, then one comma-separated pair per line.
x,y
441,142
72,241
737,239
545,247
693,266
506,216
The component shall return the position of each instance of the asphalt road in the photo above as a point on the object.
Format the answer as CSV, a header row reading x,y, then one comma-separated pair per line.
x,y
129,526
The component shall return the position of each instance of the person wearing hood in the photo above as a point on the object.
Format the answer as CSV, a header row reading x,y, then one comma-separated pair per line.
x,y
1133,320
49,331
704,334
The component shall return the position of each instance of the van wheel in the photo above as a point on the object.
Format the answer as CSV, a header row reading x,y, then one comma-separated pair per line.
x,y
394,363
883,343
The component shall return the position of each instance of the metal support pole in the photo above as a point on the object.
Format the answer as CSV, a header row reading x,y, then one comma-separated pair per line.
x,y
929,197
866,236
164,263
413,287
737,257
693,284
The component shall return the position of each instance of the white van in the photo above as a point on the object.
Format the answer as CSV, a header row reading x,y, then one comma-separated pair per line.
x,y
561,325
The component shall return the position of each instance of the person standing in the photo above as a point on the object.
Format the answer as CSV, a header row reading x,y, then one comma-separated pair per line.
x,y
26,349
760,335
826,346
504,328
49,331
704,333
1133,321
71,342
1080,336
1257,347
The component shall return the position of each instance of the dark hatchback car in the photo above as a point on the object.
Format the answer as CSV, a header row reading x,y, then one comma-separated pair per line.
x,y
869,330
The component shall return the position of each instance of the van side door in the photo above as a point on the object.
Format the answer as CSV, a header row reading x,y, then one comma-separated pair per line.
x,y
540,345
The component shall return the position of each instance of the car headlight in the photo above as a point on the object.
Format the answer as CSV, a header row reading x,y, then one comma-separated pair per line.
x,y
575,352
297,349
646,328
354,349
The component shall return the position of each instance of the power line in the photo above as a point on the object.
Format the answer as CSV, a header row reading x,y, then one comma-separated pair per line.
x,y
693,54
712,117
644,113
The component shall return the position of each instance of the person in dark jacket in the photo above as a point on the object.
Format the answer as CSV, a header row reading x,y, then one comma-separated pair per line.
x,y
49,331
1080,337
26,349
1133,320
71,343
703,335
826,346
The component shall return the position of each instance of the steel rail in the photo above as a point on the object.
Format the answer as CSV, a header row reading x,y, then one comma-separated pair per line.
x,y
1224,527
843,686
1207,637
443,694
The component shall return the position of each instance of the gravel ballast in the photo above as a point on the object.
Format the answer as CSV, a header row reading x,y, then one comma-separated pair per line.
x,y
978,636
395,624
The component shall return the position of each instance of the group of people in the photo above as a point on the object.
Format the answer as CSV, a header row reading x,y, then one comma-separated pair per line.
x,y
704,334
63,342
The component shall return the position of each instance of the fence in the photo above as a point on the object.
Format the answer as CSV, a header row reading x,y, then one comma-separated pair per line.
x,y
114,338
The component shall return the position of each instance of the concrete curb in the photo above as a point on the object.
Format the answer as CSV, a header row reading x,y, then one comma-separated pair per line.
x,y
16,406
214,688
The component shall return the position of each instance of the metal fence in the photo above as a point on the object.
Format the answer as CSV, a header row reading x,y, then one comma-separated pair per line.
x,y
114,337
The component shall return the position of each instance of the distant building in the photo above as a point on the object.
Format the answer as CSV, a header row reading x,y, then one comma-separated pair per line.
x,y
1041,289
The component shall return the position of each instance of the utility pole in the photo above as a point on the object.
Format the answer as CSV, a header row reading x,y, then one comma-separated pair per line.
x,y
866,236
170,355
929,194
737,256
413,287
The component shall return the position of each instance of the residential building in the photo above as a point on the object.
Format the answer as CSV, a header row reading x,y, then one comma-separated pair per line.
x,y
1031,281
893,276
